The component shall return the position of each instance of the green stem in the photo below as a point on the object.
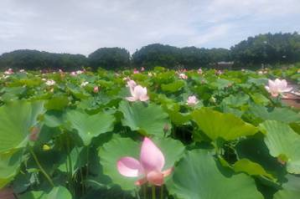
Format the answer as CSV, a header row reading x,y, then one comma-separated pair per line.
x,y
162,192
87,161
69,158
145,191
81,174
153,192
41,168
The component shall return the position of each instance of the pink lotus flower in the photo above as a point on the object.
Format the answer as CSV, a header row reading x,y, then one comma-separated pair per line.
x,y
96,89
278,87
138,93
135,71
183,76
192,100
148,168
200,72
131,84
9,71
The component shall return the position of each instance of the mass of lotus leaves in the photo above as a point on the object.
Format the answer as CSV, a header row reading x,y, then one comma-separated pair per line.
x,y
83,135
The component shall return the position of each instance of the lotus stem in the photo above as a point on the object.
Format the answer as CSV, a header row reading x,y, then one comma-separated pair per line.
x,y
153,192
41,168
162,192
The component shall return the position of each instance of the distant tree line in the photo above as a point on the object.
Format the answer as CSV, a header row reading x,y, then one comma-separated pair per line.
x,y
267,49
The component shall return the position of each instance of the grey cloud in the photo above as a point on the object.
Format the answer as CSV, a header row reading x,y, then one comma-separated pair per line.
x,y
76,26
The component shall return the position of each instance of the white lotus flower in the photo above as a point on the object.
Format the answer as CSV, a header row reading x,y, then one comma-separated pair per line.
x,y
277,87
50,82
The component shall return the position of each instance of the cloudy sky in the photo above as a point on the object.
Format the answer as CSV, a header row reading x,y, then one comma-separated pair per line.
x,y
82,26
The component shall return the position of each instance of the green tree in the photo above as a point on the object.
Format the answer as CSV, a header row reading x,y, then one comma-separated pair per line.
x,y
109,58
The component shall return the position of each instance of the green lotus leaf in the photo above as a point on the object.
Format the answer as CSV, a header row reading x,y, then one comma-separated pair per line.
x,y
251,168
173,87
90,126
197,176
148,120
289,116
9,167
219,125
16,119
56,192
291,188
283,143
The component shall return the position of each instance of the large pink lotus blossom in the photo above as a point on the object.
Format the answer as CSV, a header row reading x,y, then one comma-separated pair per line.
x,y
148,168
277,87
138,93
192,100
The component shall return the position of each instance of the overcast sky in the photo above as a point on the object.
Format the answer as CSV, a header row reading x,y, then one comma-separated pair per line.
x,y
82,26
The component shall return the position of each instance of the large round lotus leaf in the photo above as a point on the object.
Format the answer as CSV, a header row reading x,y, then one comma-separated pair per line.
x,y
119,147
291,188
9,167
90,126
147,119
197,176
16,119
283,143
219,125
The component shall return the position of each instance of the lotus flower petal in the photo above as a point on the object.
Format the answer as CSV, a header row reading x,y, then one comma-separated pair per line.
x,y
155,178
129,167
151,157
168,172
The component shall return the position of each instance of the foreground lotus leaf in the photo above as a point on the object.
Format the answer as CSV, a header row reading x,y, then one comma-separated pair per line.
x,y
283,143
197,176
16,120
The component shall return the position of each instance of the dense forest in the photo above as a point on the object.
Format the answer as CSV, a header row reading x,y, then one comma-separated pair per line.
x,y
268,49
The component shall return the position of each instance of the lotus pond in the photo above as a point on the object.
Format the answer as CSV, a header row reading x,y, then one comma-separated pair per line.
x,y
150,134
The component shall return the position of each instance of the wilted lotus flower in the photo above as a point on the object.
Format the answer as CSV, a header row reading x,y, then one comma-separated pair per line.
x,y
142,69
138,93
148,167
192,100
183,76
278,87
50,82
